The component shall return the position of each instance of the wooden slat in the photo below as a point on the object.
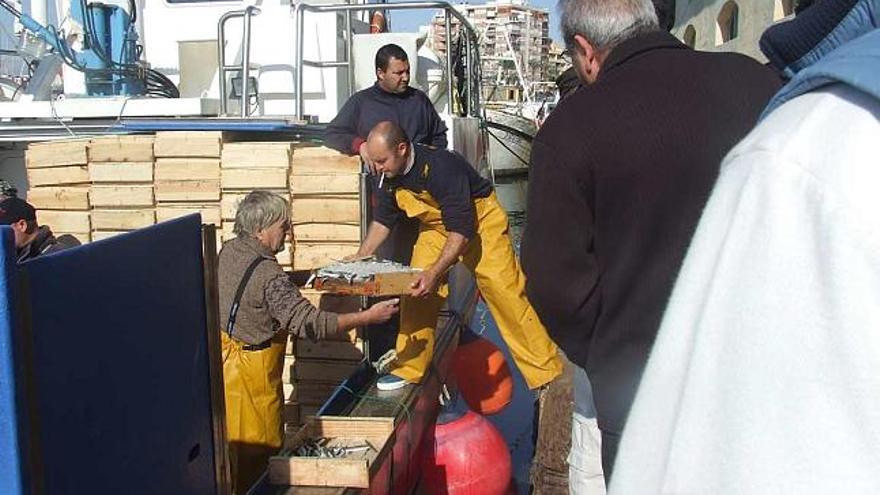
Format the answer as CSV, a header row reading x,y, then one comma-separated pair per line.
x,y
257,155
207,190
206,144
121,149
174,169
321,160
324,184
57,153
334,232
323,369
59,198
307,256
253,178
313,393
128,196
58,176
210,215
116,172
122,219
326,209
66,221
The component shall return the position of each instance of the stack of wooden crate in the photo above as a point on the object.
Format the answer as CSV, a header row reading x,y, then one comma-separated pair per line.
x,y
121,176
188,175
252,166
312,370
324,191
58,175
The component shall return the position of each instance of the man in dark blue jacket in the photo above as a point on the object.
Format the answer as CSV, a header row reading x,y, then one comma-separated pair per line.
x,y
390,99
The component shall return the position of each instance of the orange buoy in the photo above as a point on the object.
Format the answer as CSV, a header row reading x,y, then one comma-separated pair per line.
x,y
465,455
482,374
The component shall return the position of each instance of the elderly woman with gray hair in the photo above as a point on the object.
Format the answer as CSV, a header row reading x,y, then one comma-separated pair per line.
x,y
260,307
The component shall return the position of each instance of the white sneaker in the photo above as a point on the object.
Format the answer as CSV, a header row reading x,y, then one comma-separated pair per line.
x,y
391,382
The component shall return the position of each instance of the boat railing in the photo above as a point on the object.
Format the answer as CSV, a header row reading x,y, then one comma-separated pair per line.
x,y
245,67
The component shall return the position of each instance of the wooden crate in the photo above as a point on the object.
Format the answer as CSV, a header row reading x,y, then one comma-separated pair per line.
x,y
325,209
57,153
322,369
332,232
186,190
66,221
122,196
355,470
210,213
320,160
312,393
229,201
187,169
324,184
121,149
58,176
120,172
290,413
330,349
257,155
118,220
59,198
380,284
309,256
253,178
208,144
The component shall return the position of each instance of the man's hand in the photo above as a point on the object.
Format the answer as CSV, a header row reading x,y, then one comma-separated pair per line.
x,y
366,158
383,311
425,283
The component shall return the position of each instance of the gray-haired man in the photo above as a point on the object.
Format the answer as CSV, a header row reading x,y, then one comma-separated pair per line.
x,y
620,173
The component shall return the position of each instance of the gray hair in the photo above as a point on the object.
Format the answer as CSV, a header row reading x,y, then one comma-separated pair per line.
x,y
258,210
606,23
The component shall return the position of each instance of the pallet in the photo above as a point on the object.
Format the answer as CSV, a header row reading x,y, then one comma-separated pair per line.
x,y
210,214
257,155
186,144
354,470
59,198
58,176
187,169
57,153
121,149
117,220
122,196
120,172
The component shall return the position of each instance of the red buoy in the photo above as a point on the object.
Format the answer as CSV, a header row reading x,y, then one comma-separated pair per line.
x,y
482,374
465,455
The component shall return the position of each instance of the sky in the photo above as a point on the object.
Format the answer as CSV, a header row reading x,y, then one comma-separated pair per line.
x,y
410,20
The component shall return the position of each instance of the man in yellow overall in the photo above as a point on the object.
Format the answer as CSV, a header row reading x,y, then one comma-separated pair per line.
x,y
460,219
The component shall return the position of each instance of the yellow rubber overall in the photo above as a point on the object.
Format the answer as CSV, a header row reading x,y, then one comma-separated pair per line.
x,y
254,401
490,257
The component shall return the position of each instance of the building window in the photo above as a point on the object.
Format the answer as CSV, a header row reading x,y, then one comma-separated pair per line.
x,y
728,23
782,9
690,36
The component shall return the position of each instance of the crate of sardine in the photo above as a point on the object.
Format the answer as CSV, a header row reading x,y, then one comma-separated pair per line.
x,y
366,277
335,452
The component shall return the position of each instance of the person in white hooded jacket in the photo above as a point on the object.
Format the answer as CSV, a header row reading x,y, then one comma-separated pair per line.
x,y
765,376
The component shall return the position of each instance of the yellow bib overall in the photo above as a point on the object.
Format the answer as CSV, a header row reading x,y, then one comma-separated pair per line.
x,y
490,257
254,401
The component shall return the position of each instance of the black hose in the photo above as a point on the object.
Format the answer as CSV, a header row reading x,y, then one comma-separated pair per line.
x,y
513,130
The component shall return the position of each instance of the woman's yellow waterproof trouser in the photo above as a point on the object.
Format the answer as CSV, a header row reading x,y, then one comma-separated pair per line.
x,y
490,257
254,401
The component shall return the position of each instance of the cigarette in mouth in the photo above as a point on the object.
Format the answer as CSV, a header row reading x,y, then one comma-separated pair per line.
x,y
381,180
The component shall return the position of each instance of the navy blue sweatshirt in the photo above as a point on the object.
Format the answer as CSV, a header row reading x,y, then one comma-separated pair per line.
x,y
448,178
411,110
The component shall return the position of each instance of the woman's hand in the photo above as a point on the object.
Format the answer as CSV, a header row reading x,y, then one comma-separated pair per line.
x,y
383,311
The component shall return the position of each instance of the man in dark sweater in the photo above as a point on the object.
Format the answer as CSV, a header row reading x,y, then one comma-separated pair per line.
x,y
390,99
614,198
31,239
